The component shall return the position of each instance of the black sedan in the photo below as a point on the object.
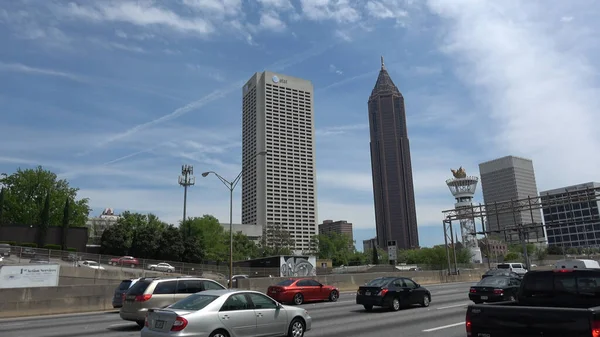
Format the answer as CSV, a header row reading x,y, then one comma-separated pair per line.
x,y
500,272
392,293
495,289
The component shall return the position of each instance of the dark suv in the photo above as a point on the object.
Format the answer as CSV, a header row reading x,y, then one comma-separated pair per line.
x,y
120,291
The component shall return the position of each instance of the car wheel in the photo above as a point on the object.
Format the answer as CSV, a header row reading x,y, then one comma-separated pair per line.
x,y
153,269
141,324
133,266
219,333
395,305
512,298
298,299
368,307
333,296
296,328
426,300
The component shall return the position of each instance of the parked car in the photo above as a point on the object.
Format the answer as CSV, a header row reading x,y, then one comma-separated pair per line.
x,y
90,264
393,293
157,292
27,253
495,289
129,261
500,272
227,313
518,268
163,266
561,302
298,291
40,260
120,291
71,257
4,250
235,279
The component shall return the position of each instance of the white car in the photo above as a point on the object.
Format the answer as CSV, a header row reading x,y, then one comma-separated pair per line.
x,y
163,266
91,265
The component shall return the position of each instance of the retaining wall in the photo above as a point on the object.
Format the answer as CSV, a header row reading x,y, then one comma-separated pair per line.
x,y
347,282
85,276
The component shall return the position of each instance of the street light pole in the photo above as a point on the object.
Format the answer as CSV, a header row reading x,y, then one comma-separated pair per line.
x,y
231,187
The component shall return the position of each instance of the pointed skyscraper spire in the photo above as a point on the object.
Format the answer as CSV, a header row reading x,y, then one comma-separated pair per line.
x,y
382,64
384,82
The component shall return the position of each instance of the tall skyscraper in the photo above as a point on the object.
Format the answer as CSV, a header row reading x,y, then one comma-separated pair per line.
x,y
393,190
280,187
510,178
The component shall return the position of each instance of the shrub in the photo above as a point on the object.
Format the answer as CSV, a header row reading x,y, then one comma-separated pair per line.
x,y
28,244
71,249
52,247
12,243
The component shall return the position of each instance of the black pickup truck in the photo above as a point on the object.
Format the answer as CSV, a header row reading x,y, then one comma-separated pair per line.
x,y
556,303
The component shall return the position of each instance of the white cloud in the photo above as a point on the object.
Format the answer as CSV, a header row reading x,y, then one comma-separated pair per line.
x,y
387,9
269,20
340,129
220,8
334,69
542,97
276,4
341,11
21,68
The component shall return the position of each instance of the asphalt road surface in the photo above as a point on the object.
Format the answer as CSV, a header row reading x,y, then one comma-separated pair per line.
x,y
443,318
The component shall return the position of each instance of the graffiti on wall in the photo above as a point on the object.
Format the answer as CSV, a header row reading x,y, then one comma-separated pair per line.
x,y
298,266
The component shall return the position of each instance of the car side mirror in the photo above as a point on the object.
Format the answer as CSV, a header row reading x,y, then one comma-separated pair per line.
x,y
320,285
279,305
418,285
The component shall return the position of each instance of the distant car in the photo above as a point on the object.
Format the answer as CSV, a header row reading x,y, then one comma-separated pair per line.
x,y
298,291
72,257
4,249
128,261
40,260
120,291
163,266
235,279
500,272
90,264
27,252
227,313
392,293
518,268
495,289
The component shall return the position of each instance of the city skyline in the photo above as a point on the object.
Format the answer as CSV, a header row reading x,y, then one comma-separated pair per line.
x,y
116,95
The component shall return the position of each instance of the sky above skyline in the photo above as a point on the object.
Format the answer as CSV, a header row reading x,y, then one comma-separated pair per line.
x,y
116,95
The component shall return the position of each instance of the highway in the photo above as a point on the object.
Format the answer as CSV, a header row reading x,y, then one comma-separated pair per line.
x,y
443,318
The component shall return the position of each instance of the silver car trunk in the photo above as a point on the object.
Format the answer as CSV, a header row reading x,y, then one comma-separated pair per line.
x,y
162,319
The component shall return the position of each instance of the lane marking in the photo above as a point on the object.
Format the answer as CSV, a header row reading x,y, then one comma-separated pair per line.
x,y
453,306
120,325
444,327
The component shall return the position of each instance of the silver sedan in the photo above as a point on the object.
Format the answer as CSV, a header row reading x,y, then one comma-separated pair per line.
x,y
227,313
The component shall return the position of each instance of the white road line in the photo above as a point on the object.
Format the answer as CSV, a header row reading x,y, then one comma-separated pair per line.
x,y
453,306
120,324
444,327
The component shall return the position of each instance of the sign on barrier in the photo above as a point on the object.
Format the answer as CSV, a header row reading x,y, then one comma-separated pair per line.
x,y
29,276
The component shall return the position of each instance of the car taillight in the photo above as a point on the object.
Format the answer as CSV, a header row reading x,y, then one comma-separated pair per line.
x,y
468,323
472,290
179,324
498,291
143,298
563,270
595,328
382,292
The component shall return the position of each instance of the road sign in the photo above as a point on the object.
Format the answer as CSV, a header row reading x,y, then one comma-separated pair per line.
x,y
392,253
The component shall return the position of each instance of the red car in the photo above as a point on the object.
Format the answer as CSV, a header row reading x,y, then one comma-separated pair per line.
x,y
128,261
302,290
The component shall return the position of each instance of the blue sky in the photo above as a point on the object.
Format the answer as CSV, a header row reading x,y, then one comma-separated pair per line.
x,y
116,95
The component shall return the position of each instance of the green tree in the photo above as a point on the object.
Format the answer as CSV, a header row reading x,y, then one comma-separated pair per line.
x,y
374,255
65,224
339,248
144,231
511,256
193,250
116,240
170,243
213,239
42,228
555,250
541,253
1,206
25,193
243,247
276,241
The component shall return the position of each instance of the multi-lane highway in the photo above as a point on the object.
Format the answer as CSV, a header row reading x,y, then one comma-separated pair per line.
x,y
444,317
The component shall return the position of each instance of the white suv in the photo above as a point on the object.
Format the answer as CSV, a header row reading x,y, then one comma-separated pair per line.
x,y
518,268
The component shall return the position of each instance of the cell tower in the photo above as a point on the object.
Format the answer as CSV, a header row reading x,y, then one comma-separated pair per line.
x,y
463,188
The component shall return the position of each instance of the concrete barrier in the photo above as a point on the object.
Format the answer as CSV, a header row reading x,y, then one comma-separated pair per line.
x,y
85,276
348,282
55,300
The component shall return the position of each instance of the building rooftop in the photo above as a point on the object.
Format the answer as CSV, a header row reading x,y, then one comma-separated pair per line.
x,y
566,189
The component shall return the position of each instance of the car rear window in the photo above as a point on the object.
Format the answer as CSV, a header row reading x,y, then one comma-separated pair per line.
x,y
503,266
124,284
493,282
194,302
378,282
139,287
285,283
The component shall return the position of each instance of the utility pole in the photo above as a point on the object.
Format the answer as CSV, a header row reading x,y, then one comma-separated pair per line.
x,y
186,179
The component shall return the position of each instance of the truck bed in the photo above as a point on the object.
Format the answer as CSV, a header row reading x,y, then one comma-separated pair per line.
x,y
515,320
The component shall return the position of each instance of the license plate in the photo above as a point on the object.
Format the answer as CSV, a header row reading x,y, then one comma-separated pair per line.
x,y
484,297
273,292
368,293
159,324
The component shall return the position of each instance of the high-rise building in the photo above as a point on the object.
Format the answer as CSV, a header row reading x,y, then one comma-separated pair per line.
x,y
338,227
393,189
505,179
571,215
279,189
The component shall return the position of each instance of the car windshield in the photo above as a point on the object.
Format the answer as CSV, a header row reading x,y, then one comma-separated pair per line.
x,y
493,282
285,283
193,302
138,288
378,282
124,284
497,272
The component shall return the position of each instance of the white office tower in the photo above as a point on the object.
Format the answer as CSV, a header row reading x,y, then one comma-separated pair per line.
x,y
279,188
463,188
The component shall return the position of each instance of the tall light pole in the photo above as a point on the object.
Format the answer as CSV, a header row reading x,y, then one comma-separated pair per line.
x,y
231,186
186,179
